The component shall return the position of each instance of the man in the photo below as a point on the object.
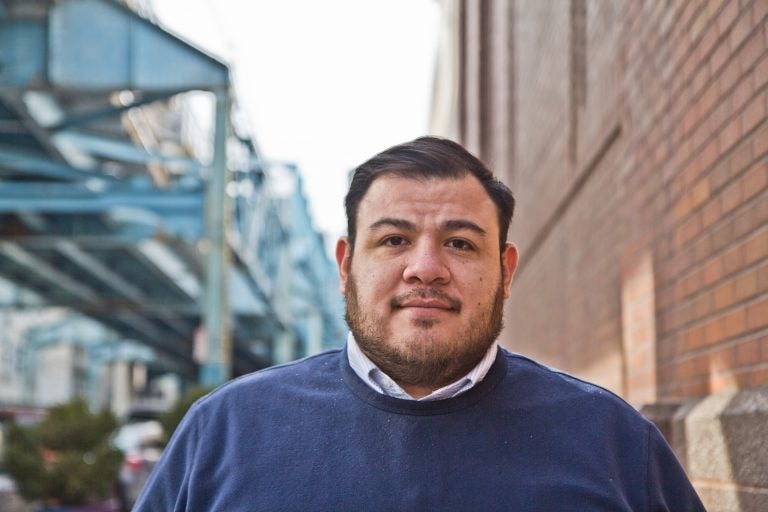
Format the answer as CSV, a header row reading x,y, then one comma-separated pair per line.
x,y
421,410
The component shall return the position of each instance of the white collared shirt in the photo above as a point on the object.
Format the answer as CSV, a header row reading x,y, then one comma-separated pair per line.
x,y
382,383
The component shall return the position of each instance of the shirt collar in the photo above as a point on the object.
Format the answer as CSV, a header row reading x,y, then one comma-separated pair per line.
x,y
382,383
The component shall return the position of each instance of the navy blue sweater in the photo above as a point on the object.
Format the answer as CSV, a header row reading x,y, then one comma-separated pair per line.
x,y
311,435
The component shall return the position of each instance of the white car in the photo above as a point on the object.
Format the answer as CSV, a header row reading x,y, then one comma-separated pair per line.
x,y
141,442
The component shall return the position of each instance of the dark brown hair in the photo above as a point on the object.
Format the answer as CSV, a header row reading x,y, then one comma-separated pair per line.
x,y
424,158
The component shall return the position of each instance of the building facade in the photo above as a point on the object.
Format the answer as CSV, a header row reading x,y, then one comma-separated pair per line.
x,y
634,135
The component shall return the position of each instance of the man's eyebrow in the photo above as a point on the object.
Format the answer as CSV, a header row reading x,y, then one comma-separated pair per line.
x,y
392,222
459,224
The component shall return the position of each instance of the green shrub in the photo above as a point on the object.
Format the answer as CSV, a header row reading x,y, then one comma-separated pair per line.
x,y
67,458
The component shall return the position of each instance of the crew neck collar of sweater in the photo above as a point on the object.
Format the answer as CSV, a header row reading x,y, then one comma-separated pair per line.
x,y
495,375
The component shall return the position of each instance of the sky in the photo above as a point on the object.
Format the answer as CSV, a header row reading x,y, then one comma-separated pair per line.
x,y
325,84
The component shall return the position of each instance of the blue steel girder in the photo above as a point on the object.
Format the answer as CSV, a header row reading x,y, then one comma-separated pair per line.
x,y
100,197
100,45
107,110
116,149
31,164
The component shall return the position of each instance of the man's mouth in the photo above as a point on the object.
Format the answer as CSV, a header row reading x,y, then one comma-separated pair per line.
x,y
428,298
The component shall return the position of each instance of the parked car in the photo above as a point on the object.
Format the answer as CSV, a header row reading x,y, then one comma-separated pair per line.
x,y
141,440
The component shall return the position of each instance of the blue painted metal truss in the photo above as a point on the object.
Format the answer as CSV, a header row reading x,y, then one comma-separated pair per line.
x,y
109,207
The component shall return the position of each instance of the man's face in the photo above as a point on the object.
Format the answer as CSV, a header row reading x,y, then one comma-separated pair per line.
x,y
426,282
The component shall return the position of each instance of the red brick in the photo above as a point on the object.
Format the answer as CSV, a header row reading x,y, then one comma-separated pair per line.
x,y
741,157
712,8
759,13
711,213
713,271
732,197
690,229
740,30
760,141
720,175
708,41
714,331
763,277
723,236
751,51
734,323
702,306
757,315
761,73
729,76
687,15
742,93
745,286
722,359
754,181
703,248
748,353
699,22
699,193
754,113
758,377
734,259
723,296
756,248
730,134
727,16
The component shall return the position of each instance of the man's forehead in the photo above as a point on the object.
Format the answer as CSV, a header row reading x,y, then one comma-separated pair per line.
x,y
454,203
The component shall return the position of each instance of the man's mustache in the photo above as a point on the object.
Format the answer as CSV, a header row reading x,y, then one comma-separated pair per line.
x,y
425,293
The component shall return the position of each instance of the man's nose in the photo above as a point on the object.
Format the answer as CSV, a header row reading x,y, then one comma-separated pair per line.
x,y
426,265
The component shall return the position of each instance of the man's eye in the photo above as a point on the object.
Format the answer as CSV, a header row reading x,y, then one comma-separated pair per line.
x,y
394,241
460,244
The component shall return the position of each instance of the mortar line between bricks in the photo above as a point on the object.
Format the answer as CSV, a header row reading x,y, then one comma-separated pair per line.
x,y
726,343
729,217
716,254
720,312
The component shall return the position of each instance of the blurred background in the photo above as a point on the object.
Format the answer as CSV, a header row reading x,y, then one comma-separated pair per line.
x,y
172,177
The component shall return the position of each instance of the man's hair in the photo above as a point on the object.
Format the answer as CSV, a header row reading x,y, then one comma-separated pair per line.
x,y
425,158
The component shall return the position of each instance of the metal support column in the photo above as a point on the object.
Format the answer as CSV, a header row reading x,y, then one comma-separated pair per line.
x,y
216,368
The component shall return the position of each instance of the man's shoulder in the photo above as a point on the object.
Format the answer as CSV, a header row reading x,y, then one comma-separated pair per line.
x,y
311,372
546,385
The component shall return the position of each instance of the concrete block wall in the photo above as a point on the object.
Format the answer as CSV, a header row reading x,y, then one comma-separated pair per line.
x,y
635,137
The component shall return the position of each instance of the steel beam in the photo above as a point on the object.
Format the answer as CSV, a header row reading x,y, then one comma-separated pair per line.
x,y
101,271
108,110
40,267
62,198
121,150
100,45
44,167
217,367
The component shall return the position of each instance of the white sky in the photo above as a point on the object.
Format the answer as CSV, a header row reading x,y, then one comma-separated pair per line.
x,y
325,83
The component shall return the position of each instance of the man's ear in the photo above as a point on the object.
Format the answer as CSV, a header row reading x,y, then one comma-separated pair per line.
x,y
343,260
509,258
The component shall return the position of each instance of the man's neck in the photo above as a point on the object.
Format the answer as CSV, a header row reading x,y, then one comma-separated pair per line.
x,y
416,391
377,379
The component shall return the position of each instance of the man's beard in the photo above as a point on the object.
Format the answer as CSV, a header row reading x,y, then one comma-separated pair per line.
x,y
424,360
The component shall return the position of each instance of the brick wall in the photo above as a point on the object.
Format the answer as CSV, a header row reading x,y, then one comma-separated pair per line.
x,y
635,137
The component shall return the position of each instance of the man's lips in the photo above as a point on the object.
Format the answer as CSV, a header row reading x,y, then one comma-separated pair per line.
x,y
426,303
429,298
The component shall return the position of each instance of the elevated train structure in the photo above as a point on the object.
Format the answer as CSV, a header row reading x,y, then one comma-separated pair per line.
x,y
119,203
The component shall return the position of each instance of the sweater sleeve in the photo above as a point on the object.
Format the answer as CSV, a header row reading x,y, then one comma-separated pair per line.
x,y
668,487
167,488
